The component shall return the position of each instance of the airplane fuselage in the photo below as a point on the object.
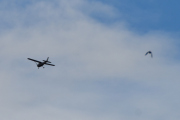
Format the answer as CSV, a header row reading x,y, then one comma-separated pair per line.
x,y
41,64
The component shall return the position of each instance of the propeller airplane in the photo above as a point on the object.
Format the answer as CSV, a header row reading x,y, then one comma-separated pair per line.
x,y
40,64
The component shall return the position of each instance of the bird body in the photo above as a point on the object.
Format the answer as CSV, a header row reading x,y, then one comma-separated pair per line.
x,y
149,52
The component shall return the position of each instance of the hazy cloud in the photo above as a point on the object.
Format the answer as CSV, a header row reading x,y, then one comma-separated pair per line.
x,y
101,71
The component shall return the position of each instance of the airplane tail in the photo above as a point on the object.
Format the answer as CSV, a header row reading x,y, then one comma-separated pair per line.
x,y
47,60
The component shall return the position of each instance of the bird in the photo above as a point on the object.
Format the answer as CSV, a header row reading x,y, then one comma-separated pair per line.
x,y
149,52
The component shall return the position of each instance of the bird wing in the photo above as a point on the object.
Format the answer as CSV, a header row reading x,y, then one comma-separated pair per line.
x,y
146,53
151,55
34,60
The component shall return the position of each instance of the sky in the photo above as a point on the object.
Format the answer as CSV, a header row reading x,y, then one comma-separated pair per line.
x,y
147,15
98,48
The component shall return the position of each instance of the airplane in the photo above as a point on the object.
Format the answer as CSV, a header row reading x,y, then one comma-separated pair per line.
x,y
40,64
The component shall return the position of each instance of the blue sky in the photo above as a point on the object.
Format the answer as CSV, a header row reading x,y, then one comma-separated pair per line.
x,y
147,15
98,48
142,16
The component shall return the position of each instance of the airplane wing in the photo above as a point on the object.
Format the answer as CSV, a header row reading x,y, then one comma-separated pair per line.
x,y
34,60
49,64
